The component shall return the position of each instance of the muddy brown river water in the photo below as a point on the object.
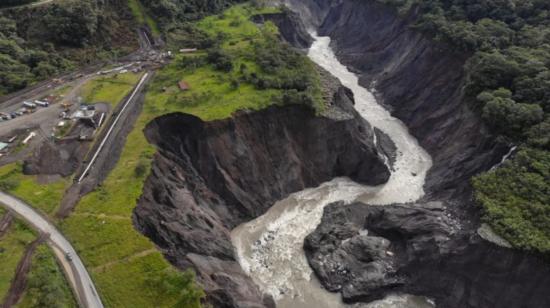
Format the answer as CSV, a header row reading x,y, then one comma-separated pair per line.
x,y
270,248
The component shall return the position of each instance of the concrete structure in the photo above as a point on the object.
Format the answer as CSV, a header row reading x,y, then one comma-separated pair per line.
x,y
188,50
29,137
83,114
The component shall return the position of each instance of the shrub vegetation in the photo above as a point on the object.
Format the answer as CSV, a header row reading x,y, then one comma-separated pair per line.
x,y
46,284
508,82
39,42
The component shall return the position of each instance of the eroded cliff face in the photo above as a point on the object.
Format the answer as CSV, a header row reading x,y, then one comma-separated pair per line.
x,y
291,28
366,252
419,80
209,177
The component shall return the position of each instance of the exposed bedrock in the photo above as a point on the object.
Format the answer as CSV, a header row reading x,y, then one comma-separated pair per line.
x,y
419,80
291,28
419,249
209,177
410,248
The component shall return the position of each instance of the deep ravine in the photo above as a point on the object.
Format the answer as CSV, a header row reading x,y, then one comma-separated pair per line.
x,y
270,248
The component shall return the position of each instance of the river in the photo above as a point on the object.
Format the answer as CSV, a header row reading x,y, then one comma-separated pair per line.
x,y
269,248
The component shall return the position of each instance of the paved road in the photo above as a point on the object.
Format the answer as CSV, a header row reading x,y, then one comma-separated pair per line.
x,y
78,275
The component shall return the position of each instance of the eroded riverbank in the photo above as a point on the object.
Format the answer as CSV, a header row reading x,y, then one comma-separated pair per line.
x,y
270,248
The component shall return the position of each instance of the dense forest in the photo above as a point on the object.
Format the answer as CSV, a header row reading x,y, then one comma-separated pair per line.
x,y
509,84
43,41
175,17
185,10
7,3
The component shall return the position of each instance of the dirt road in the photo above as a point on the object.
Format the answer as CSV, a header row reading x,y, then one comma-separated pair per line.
x,y
19,282
72,265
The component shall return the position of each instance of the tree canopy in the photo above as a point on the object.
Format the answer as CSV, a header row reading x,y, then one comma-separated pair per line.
x,y
508,82
40,42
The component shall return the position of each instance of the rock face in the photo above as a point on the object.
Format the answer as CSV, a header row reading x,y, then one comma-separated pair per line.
x,y
209,177
411,248
419,249
291,28
419,80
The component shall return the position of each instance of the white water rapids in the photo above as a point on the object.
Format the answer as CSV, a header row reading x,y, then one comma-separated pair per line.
x,y
270,248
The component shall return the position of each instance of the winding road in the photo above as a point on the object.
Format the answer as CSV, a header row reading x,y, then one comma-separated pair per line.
x,y
78,276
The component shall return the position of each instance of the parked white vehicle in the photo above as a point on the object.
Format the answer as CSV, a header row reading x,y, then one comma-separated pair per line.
x,y
42,103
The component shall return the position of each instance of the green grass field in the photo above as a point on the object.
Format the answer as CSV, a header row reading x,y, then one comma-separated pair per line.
x,y
122,261
43,197
12,247
217,94
109,89
46,285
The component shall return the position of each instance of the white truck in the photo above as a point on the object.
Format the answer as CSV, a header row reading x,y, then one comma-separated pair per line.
x,y
41,103
29,105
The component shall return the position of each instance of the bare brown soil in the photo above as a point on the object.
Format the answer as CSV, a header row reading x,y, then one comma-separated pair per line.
x,y
5,224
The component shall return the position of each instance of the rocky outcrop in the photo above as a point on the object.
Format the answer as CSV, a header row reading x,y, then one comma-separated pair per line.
x,y
419,80
413,248
209,177
291,28
366,252
312,12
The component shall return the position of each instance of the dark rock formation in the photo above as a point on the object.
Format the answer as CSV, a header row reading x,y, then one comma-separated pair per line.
x,y
62,157
209,177
408,249
419,249
420,81
291,28
312,12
